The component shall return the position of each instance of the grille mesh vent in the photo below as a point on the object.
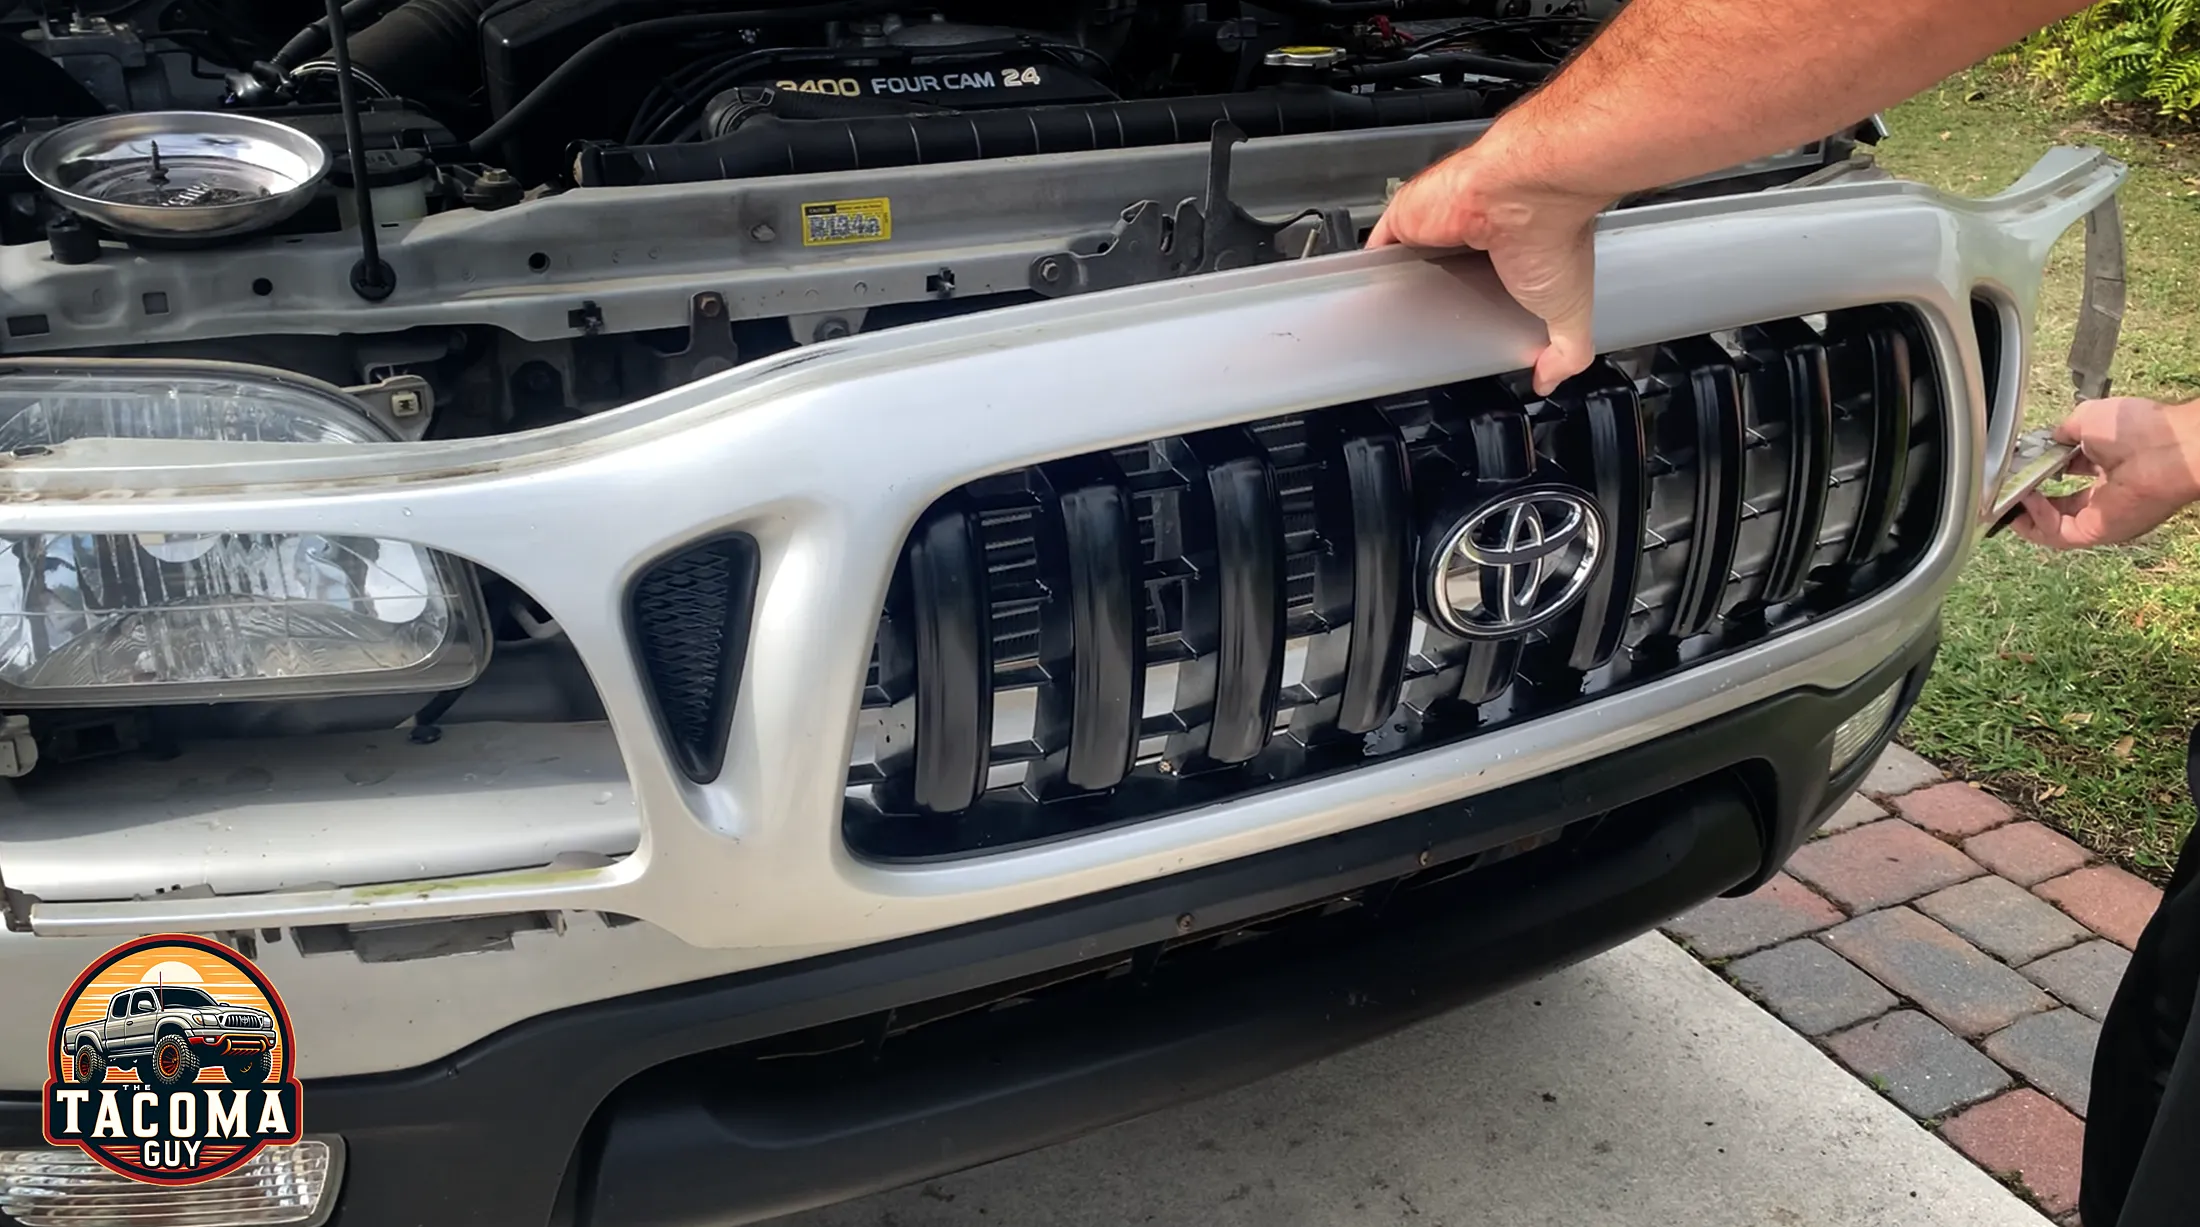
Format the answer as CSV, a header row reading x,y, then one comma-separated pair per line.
x,y
691,628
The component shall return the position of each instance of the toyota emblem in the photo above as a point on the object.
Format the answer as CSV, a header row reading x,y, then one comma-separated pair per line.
x,y
1514,563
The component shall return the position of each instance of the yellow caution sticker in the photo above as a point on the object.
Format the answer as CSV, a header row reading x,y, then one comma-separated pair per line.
x,y
829,222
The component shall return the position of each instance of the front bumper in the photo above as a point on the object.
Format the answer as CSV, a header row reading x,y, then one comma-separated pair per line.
x,y
230,1043
655,1109
826,457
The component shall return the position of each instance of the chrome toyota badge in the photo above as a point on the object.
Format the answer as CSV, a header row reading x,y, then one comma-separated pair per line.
x,y
1514,563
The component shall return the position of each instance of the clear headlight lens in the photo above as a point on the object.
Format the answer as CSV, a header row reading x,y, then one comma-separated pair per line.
x,y
151,617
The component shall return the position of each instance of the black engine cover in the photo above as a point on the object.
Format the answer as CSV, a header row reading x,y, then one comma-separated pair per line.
x,y
958,80
925,65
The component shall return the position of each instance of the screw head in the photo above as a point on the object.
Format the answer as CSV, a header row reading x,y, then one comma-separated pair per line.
x,y
710,306
1050,270
1184,923
762,232
830,329
1427,857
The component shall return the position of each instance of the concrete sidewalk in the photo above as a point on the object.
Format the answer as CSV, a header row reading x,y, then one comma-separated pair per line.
x,y
1634,1090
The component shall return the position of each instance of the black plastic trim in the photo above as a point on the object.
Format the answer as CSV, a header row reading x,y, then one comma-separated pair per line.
x,y
699,750
1702,372
1619,462
1887,351
1382,610
954,654
1504,455
1249,652
1188,1031
1800,358
1109,668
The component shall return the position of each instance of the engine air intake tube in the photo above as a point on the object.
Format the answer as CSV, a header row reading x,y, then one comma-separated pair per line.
x,y
425,50
767,144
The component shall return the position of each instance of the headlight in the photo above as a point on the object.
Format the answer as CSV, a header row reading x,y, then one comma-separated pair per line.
x,y
149,617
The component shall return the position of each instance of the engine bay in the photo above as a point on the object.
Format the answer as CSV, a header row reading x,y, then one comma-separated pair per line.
x,y
508,145
519,85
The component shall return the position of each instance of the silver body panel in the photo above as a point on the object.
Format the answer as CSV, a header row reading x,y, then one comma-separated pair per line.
x,y
828,454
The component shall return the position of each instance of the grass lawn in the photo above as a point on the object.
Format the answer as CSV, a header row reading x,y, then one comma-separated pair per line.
x,y
2067,683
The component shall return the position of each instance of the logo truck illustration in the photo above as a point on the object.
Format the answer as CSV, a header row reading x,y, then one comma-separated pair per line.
x,y
166,1035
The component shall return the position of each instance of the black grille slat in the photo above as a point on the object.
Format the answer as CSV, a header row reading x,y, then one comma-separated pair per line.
x,y
1796,361
1503,447
954,661
1108,664
1249,605
1382,605
1611,420
690,616
1711,388
1877,341
1166,625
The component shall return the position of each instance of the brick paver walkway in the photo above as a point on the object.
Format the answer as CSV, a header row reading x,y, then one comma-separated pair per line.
x,y
1953,955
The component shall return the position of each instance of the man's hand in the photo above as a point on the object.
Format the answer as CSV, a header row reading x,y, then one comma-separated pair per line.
x,y
1668,90
2146,458
1540,239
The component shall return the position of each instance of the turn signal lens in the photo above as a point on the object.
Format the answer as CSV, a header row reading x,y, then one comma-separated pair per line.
x,y
1859,731
282,1185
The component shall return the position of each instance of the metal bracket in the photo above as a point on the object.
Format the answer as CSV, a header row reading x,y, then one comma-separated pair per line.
x,y
811,327
18,749
1198,236
710,347
2101,306
402,403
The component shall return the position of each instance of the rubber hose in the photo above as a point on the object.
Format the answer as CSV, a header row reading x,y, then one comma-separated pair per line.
x,y
1453,61
314,39
730,109
1354,10
425,50
770,145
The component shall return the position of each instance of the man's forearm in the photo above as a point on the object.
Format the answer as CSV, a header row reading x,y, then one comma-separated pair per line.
x,y
1675,88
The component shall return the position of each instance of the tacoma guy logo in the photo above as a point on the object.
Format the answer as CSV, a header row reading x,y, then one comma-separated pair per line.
x,y
171,1062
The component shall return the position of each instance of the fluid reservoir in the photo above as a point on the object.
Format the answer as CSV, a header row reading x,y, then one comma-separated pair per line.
x,y
397,179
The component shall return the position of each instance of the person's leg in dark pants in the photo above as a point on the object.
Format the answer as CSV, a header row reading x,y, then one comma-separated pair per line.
x,y
2142,1138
